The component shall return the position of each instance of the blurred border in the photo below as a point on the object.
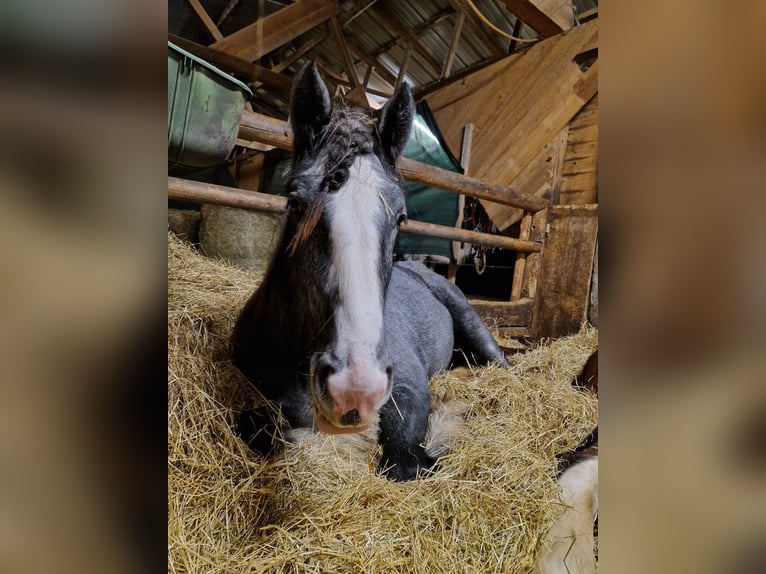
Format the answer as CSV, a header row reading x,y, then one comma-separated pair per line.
x,y
683,408
82,229
82,225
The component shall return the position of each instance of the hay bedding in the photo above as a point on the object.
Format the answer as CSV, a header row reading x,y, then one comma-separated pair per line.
x,y
321,507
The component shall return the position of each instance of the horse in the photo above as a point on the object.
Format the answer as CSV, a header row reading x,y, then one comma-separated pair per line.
x,y
337,335
568,546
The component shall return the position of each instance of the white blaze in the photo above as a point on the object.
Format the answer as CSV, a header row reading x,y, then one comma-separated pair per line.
x,y
355,210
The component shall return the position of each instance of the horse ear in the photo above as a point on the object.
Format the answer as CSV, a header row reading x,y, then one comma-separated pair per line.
x,y
310,108
395,123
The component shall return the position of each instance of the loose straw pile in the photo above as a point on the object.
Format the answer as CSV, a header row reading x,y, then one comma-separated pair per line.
x,y
322,507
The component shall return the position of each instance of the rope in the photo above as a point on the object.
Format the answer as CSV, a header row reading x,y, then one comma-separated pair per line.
x,y
496,29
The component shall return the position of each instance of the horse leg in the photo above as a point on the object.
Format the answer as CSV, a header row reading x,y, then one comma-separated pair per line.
x,y
266,428
403,426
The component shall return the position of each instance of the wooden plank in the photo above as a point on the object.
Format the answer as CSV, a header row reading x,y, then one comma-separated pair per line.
x,y
504,314
237,66
447,69
518,105
537,178
565,275
579,182
546,17
206,20
270,32
272,131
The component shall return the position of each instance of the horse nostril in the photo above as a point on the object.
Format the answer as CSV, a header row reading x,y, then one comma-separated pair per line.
x,y
351,418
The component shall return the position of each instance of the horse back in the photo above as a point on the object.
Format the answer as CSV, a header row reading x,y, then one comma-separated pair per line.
x,y
469,333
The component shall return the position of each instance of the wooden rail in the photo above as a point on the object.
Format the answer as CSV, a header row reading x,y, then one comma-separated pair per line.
x,y
188,190
264,129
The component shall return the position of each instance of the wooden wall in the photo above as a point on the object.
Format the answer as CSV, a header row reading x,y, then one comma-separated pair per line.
x,y
535,117
520,107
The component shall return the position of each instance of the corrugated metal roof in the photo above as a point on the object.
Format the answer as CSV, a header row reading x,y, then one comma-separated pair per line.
x,y
383,31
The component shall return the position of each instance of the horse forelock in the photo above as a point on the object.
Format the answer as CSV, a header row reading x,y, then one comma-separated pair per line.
x,y
349,134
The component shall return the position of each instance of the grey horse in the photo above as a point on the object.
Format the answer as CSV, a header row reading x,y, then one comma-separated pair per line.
x,y
337,332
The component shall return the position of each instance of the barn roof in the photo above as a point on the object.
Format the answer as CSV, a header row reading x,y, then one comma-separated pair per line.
x,y
369,45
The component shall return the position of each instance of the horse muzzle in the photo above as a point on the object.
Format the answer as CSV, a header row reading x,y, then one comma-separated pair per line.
x,y
347,396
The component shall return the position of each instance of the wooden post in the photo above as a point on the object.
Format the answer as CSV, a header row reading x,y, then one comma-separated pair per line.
x,y
465,162
521,258
561,301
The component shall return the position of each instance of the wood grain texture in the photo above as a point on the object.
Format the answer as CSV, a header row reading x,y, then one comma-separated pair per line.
x,y
579,182
519,105
561,303
270,32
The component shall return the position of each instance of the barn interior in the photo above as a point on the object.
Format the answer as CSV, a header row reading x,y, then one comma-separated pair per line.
x,y
511,91
504,203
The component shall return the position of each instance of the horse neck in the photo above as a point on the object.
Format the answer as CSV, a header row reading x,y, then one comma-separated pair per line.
x,y
284,305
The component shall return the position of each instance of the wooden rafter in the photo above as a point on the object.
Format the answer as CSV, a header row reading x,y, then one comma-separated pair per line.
x,y
356,10
399,29
233,65
308,42
380,69
226,12
345,53
207,22
486,37
447,68
546,17
405,63
270,32
417,31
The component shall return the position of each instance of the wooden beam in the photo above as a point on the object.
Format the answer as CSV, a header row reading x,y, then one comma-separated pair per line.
x,y
355,11
270,32
201,192
227,11
398,29
477,27
307,43
403,67
233,65
345,53
546,17
380,69
264,129
447,69
202,14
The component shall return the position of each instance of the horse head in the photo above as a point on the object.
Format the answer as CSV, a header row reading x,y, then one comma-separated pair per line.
x,y
345,204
